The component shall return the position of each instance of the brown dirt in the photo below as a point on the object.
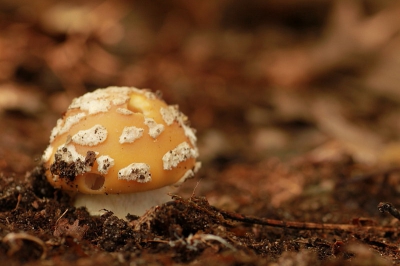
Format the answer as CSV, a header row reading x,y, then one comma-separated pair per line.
x,y
297,110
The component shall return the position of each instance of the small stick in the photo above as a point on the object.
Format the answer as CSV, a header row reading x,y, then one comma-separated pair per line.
x,y
195,187
299,225
388,207
61,216
18,201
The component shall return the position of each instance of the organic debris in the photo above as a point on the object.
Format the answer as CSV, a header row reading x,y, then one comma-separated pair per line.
x,y
296,106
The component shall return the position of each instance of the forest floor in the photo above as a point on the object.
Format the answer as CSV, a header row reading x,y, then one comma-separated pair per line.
x,y
297,111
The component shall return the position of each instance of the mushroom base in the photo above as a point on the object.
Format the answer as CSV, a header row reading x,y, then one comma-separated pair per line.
x,y
122,204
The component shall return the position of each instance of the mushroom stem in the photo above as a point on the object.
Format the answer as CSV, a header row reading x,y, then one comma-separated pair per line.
x,y
122,204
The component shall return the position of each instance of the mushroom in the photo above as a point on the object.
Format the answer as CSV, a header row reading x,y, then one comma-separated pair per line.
x,y
120,149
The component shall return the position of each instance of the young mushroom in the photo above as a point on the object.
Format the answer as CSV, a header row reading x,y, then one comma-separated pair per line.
x,y
120,149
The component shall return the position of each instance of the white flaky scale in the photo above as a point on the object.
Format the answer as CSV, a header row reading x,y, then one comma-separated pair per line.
x,y
154,128
124,111
104,164
70,121
139,172
171,114
47,153
91,137
120,149
130,134
179,154
69,154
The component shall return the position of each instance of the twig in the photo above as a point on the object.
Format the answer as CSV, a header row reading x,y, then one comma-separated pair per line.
x,y
299,225
388,207
18,201
61,216
195,187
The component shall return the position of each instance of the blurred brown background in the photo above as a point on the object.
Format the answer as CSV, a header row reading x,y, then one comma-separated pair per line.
x,y
296,105
257,78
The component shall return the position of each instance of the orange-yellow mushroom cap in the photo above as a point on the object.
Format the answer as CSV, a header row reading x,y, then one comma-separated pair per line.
x,y
120,140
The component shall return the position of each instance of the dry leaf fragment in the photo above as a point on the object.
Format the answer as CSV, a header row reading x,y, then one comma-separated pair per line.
x,y
64,228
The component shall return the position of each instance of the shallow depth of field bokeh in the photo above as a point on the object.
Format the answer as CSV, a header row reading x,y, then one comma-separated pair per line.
x,y
265,83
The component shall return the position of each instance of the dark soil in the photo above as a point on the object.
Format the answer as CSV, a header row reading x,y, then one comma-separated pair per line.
x,y
297,110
